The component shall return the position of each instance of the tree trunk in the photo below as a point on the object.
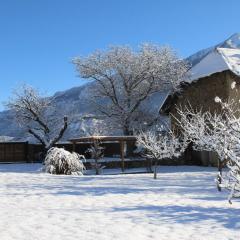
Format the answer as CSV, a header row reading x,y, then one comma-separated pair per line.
x,y
155,169
97,166
221,165
127,131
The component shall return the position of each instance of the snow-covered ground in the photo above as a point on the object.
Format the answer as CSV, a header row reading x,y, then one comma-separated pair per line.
x,y
182,204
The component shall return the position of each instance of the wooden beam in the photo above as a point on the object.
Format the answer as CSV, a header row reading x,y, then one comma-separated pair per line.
x,y
122,154
104,138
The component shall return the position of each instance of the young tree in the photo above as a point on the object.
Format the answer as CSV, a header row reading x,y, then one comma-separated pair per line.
x,y
160,145
220,133
33,112
125,78
97,152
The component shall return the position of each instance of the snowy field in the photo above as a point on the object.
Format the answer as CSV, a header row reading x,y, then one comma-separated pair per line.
x,y
182,204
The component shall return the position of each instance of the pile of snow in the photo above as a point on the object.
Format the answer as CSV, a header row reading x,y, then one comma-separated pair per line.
x,y
60,161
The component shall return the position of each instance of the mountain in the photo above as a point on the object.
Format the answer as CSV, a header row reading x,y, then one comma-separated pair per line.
x,y
231,42
76,102
77,105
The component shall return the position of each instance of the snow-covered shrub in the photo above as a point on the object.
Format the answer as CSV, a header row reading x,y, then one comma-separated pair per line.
x,y
60,161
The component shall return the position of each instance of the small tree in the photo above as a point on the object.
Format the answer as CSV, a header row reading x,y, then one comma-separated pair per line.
x,y
160,145
34,113
124,78
97,152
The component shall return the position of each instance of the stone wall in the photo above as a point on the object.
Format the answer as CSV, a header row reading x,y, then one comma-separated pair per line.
x,y
200,95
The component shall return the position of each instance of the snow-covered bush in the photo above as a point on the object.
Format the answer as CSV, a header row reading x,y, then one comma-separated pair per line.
x,y
160,145
60,161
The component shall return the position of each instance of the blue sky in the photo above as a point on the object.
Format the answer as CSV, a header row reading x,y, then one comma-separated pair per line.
x,y
38,38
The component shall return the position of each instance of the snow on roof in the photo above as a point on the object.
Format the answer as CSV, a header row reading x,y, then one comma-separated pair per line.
x,y
232,58
217,61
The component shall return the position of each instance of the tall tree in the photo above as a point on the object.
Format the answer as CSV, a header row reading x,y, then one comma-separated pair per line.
x,y
33,112
125,78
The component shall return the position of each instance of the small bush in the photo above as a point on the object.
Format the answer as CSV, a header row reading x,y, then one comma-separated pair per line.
x,y
60,161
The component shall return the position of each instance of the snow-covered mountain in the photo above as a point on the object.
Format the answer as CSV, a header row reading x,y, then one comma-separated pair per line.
x,y
77,105
77,102
232,42
74,102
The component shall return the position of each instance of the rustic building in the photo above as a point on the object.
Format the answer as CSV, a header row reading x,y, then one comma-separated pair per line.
x,y
215,75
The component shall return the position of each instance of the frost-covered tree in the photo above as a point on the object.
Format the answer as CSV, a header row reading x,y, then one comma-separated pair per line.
x,y
32,112
220,133
161,145
97,152
125,78
60,161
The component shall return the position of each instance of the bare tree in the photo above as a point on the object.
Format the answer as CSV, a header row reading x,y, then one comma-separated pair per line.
x,y
125,78
162,145
220,133
97,152
34,113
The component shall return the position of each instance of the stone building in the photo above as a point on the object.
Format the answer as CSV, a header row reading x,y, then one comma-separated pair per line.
x,y
215,75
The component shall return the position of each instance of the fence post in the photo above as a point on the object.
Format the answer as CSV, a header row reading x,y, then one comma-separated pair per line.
x,y
122,154
26,152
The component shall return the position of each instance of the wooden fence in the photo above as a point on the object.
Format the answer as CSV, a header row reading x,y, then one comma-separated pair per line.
x,y
13,152
25,152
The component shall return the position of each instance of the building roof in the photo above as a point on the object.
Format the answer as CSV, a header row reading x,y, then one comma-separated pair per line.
x,y
217,61
103,138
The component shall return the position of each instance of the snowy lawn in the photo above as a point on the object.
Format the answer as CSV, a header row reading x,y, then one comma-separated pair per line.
x,y
182,204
